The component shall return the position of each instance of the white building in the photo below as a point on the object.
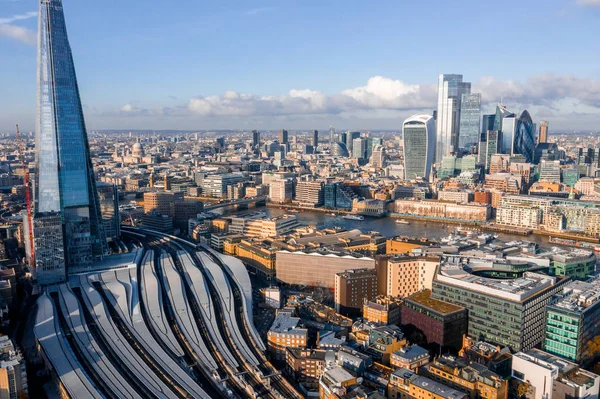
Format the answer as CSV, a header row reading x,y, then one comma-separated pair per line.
x,y
309,193
519,215
418,132
551,377
281,190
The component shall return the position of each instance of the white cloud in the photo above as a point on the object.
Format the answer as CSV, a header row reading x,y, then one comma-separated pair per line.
x,y
380,103
19,33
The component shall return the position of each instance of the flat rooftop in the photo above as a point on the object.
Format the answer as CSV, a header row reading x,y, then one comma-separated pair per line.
x,y
424,299
578,296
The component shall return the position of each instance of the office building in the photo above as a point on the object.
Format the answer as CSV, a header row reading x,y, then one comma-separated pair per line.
x,y
572,321
352,288
440,322
450,92
161,201
524,140
13,375
283,138
64,177
258,255
285,332
470,121
109,206
492,145
549,377
216,185
258,224
378,157
504,311
544,133
359,148
255,140
475,379
338,195
350,137
418,132
281,191
310,193
317,269
331,135
315,139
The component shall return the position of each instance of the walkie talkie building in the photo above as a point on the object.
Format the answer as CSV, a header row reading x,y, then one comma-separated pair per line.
x,y
65,188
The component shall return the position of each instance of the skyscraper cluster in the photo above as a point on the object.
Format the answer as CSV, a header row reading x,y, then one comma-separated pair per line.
x,y
461,130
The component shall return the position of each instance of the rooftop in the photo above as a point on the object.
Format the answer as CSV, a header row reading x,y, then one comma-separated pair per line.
x,y
578,296
285,323
424,298
429,385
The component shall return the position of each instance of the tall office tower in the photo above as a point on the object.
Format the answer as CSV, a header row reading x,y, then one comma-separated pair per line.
x,y
450,91
418,132
470,121
331,134
524,137
283,137
493,141
255,140
350,137
343,138
543,132
372,142
359,148
66,200
315,139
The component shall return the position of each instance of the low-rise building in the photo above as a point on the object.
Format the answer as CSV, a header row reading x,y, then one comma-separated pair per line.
x,y
305,364
496,358
285,333
335,382
382,310
476,379
405,384
444,210
258,224
410,357
258,255
369,207
545,376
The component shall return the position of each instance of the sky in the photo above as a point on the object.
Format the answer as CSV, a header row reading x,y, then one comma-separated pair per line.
x,y
354,64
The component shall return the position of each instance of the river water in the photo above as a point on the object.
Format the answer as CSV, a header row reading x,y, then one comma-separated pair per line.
x,y
385,226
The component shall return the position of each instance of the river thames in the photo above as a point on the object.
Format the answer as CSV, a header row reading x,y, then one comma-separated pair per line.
x,y
385,226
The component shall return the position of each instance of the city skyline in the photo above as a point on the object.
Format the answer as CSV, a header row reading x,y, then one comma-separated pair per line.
x,y
198,86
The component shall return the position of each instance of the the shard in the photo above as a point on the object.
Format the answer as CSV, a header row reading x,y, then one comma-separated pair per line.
x,y
66,200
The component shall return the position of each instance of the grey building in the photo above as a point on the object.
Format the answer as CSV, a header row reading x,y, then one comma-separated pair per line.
x,y
418,132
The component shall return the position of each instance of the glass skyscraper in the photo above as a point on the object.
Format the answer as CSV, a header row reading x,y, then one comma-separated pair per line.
x,y
418,132
450,91
524,139
64,180
470,121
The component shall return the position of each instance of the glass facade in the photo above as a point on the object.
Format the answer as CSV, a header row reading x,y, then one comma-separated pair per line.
x,y
470,121
562,332
65,180
336,196
524,140
419,143
450,91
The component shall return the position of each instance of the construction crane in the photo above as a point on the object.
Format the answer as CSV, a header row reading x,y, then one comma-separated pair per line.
x,y
27,198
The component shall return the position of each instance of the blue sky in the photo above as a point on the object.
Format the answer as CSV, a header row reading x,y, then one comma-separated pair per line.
x,y
195,64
